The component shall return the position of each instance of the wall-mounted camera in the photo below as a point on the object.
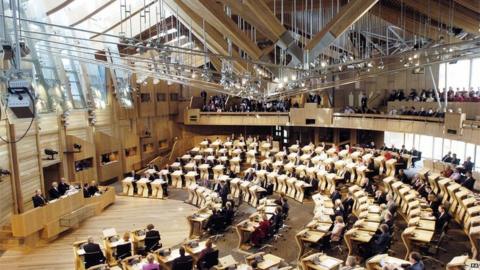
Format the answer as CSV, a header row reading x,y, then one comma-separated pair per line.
x,y
50,153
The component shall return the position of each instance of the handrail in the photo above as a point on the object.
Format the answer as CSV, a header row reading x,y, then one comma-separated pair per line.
x,y
395,117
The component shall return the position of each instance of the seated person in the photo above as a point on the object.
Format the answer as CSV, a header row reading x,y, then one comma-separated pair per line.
x,y
184,262
335,195
93,188
229,213
443,217
415,260
63,187
261,232
468,165
455,160
448,157
38,199
124,249
54,192
381,240
469,181
335,235
86,193
216,222
151,264
403,177
348,203
379,197
93,253
207,250
283,202
152,238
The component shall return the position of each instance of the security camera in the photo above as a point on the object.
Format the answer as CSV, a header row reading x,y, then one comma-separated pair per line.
x,y
51,153
77,146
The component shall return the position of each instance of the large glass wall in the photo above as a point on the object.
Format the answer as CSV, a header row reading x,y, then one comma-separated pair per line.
x,y
460,75
434,147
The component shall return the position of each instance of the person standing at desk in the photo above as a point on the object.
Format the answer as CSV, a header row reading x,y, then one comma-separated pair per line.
x,y
63,187
151,264
93,253
54,192
38,199
183,262
442,218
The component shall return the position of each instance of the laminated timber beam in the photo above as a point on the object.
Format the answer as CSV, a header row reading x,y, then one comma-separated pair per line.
x,y
411,25
439,12
215,15
347,16
215,40
258,14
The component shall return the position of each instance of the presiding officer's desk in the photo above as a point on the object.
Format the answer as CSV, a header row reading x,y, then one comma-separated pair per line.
x,y
59,215
320,261
135,262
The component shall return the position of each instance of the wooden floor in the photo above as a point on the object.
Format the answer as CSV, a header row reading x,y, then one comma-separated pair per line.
x,y
169,216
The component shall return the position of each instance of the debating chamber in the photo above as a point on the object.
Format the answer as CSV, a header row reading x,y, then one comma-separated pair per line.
x,y
240,134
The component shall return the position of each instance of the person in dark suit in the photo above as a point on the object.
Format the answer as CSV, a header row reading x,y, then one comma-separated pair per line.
x,y
152,238
416,262
433,202
380,197
469,181
93,253
443,217
448,157
63,187
86,194
184,262
38,199
348,203
54,192
381,241
208,249
93,188
455,160
335,195
468,164
223,192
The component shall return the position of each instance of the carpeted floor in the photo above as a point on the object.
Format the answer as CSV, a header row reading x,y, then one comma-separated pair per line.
x,y
455,244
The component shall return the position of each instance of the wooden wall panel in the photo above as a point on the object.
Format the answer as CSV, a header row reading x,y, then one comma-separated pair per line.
x,y
29,171
104,129
6,193
103,117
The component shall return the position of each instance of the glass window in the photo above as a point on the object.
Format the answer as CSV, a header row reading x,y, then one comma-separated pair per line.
x,y
442,76
447,146
458,147
470,151
395,138
426,146
409,140
458,74
475,80
416,141
477,158
437,149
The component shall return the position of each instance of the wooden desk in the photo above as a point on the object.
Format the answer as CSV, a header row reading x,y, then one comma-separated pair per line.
x,y
306,236
356,235
320,261
157,189
142,189
177,179
244,229
127,186
196,223
269,261
415,234
226,262
463,262
374,262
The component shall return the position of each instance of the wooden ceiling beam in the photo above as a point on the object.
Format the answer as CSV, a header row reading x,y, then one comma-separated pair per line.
x,y
439,12
215,40
347,16
470,4
258,14
411,25
86,17
59,7
214,14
